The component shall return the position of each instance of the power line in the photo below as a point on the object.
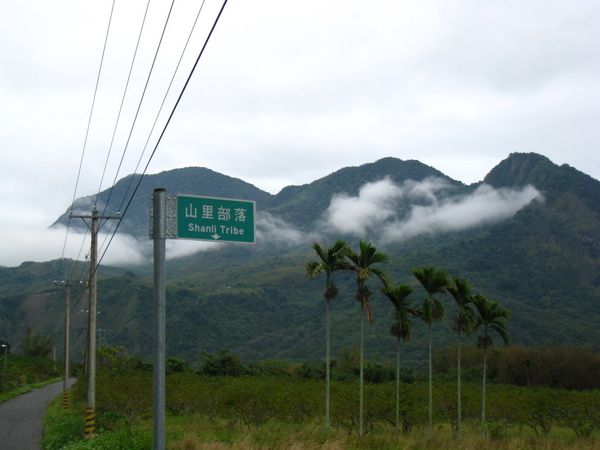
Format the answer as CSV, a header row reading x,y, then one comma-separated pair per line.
x,y
87,132
127,200
163,103
167,124
122,103
175,72
144,91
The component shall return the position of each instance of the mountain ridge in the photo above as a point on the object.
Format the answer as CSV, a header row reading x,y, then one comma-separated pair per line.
x,y
542,260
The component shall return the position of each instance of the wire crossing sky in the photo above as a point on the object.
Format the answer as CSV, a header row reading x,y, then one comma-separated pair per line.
x,y
287,92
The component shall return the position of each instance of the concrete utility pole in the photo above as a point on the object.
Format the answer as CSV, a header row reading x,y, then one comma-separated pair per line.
x,y
90,412
67,284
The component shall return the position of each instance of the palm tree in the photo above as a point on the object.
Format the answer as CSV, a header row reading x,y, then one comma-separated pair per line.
x,y
464,320
491,316
401,329
363,261
434,282
529,366
331,259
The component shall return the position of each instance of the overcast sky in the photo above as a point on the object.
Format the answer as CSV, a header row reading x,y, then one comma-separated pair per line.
x,y
285,93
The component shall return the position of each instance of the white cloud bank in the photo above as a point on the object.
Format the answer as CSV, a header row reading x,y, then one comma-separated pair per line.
x,y
397,213
381,211
45,244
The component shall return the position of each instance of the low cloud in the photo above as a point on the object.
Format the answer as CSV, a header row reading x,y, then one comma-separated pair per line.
x,y
273,230
45,244
397,213
377,203
381,210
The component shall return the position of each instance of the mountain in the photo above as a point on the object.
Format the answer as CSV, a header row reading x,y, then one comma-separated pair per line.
x,y
528,236
301,205
190,180
298,205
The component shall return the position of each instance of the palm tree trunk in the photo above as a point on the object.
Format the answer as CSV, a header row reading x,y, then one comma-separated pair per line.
x,y
327,365
398,390
430,412
458,428
362,374
483,390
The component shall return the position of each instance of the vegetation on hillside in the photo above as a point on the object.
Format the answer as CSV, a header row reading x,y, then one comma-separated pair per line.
x,y
542,264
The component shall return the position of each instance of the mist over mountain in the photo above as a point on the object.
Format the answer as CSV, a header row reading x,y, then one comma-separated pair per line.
x,y
527,236
388,200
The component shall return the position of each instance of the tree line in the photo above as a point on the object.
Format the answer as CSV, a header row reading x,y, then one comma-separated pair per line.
x,y
557,366
475,312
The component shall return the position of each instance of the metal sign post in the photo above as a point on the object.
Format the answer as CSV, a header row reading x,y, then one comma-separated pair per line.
x,y
159,221
174,216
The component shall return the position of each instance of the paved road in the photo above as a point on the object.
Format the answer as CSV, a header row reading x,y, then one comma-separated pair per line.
x,y
21,418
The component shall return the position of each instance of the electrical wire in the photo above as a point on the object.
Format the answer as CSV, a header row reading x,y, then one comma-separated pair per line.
x,y
87,132
166,125
137,46
135,120
144,92
175,72
113,232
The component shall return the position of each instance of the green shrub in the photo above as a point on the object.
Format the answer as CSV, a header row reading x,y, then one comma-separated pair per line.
x,y
61,426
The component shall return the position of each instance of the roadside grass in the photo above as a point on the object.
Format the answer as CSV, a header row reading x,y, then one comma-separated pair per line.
x,y
311,436
255,413
5,396
64,430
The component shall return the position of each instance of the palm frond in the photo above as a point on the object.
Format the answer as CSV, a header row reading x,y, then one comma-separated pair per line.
x,y
402,327
434,281
362,265
492,315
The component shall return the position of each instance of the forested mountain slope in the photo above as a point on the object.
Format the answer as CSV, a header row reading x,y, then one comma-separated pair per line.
x,y
528,236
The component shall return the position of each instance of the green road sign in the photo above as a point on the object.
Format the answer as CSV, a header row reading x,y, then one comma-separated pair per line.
x,y
215,219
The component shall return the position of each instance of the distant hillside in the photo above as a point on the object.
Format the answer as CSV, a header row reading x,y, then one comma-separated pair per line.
x,y
302,205
528,236
298,205
190,180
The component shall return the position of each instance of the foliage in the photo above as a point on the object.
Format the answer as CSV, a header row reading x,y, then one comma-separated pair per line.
x,y
331,260
558,366
311,370
125,439
127,393
542,263
61,426
23,370
37,345
252,403
434,281
224,363
176,365
277,367
363,262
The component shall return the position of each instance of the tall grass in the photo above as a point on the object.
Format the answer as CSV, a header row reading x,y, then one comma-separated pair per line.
x,y
278,413
64,430
313,437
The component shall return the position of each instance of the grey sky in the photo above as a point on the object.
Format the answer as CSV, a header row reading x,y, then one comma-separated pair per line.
x,y
288,92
